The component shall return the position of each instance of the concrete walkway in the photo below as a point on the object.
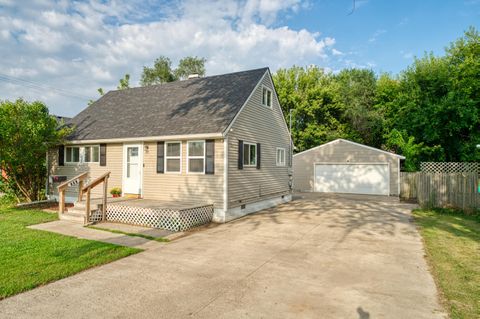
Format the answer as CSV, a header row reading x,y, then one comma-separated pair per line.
x,y
69,228
316,257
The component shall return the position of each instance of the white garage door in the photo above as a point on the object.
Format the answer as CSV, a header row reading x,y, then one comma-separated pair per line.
x,y
352,178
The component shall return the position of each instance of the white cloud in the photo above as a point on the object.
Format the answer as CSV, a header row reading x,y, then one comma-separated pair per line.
x,y
337,52
376,35
80,46
406,55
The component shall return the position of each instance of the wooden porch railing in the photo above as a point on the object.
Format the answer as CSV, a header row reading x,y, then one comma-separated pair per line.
x,y
77,180
87,190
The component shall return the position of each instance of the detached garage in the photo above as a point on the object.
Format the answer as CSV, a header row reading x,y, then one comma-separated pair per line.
x,y
342,166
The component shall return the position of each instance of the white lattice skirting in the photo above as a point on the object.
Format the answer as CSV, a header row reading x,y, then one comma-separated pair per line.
x,y
170,219
450,167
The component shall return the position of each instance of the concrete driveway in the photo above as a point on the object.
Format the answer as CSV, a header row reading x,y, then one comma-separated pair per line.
x,y
320,256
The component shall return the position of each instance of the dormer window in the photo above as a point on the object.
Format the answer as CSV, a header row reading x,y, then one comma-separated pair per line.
x,y
266,97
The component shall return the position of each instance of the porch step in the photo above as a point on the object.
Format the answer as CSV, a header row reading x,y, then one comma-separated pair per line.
x,y
73,216
81,205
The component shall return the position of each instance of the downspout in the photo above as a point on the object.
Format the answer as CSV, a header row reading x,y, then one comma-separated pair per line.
x,y
225,177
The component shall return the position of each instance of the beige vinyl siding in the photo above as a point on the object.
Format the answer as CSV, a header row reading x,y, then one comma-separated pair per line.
x,y
339,152
258,124
187,187
114,165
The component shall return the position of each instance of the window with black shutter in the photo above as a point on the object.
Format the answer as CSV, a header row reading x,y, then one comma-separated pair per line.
x,y
103,154
240,154
160,157
61,155
210,157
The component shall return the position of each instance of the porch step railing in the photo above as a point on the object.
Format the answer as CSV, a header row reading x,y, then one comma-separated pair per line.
x,y
79,181
87,191
84,190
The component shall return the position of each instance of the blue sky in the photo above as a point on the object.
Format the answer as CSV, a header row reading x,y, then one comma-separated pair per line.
x,y
60,51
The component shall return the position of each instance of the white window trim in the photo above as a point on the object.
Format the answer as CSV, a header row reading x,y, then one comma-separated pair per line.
x,y
256,154
79,155
196,157
280,164
172,157
271,97
82,154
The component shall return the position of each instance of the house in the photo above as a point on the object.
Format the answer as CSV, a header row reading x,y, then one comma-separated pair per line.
x,y
343,166
220,140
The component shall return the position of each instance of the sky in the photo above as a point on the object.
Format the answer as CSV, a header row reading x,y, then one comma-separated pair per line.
x,y
61,52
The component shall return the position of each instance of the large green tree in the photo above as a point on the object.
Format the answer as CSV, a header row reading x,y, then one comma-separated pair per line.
x,y
313,98
357,88
27,132
190,65
429,112
161,72
438,101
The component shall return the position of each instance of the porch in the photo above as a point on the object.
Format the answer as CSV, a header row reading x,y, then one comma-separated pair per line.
x,y
172,216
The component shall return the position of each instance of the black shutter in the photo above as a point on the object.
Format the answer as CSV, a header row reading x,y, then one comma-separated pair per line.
x,y
103,154
258,155
161,157
61,155
240,154
210,157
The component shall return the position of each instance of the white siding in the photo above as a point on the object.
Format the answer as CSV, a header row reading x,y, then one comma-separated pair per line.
x,y
201,188
339,152
114,165
169,187
258,124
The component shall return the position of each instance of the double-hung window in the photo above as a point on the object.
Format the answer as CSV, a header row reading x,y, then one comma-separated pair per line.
x,y
173,157
72,154
280,156
249,154
91,154
266,97
82,154
196,156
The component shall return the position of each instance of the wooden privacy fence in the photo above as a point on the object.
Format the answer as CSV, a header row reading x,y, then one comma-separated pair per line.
x,y
441,189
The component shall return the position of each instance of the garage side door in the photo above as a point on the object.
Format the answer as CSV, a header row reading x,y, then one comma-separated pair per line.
x,y
352,178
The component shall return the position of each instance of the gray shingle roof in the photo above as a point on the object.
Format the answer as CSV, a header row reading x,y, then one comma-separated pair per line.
x,y
194,106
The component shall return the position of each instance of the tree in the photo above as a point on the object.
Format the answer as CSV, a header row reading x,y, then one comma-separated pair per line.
x,y
190,65
27,132
124,83
160,73
438,101
357,88
401,143
313,97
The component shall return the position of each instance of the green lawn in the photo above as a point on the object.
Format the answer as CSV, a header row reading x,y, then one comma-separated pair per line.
x,y
30,258
452,242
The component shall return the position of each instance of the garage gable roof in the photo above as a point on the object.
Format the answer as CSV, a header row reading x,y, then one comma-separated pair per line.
x,y
357,144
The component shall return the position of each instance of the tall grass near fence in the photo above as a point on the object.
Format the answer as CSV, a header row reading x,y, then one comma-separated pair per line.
x,y
459,190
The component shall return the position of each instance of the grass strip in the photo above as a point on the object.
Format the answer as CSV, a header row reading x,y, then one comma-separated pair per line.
x,y
116,231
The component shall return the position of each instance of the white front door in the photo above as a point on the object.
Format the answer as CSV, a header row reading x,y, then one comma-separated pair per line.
x,y
352,178
132,168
